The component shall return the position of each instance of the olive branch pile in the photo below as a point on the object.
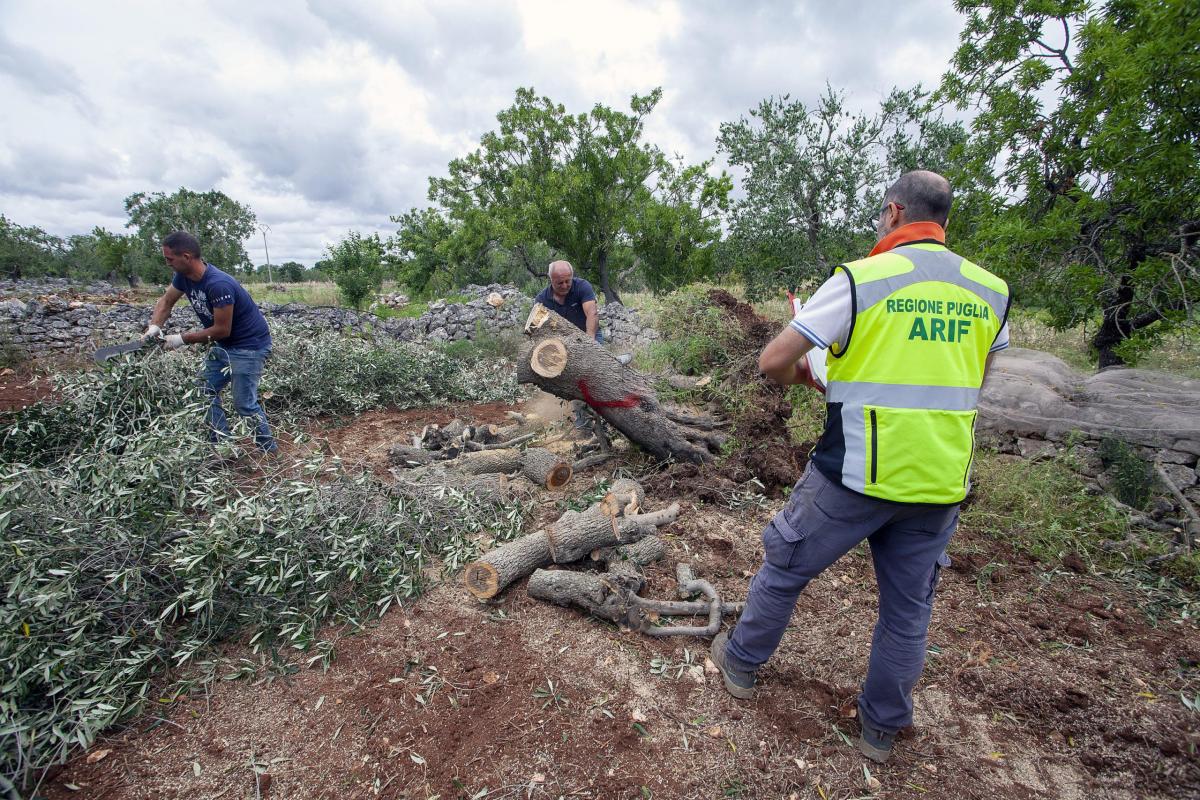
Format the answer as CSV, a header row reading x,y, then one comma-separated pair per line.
x,y
126,549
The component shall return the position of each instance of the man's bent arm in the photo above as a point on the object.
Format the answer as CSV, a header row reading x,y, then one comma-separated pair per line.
x,y
778,359
222,325
593,318
162,309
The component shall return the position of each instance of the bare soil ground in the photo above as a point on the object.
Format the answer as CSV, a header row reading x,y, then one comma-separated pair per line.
x,y
1040,683
21,387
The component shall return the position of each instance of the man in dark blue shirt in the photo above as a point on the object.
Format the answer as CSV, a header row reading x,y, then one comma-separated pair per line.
x,y
571,297
232,322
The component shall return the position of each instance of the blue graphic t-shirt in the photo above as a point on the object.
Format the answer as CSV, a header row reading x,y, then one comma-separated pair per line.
x,y
572,305
215,289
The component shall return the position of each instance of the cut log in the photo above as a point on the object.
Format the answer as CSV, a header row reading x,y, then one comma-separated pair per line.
x,y
573,536
624,397
647,551
628,560
545,468
403,455
540,466
548,358
433,481
491,574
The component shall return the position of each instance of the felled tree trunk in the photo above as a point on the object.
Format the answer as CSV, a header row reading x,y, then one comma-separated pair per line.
x,y
540,466
561,360
612,521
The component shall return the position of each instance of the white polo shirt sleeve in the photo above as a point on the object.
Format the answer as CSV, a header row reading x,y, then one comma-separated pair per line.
x,y
825,318
1001,342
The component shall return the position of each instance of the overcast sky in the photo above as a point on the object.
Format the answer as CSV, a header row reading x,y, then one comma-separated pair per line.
x,y
326,116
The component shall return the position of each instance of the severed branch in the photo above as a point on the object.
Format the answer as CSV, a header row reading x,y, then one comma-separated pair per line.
x,y
1190,529
614,596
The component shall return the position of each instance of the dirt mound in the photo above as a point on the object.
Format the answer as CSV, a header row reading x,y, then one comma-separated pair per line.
x,y
758,331
763,450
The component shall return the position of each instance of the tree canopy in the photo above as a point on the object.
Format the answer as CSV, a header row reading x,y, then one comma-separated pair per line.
x,y
585,185
220,224
356,266
1089,117
815,177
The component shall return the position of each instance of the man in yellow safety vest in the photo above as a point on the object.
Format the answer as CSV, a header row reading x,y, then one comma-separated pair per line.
x,y
909,332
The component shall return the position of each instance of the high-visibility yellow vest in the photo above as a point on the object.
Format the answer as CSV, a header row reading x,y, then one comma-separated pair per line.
x,y
902,389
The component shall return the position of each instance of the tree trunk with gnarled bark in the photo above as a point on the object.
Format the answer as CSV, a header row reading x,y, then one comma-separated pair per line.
x,y
563,361
612,521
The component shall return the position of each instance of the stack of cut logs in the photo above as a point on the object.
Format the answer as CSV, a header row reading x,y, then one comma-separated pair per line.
x,y
615,532
471,450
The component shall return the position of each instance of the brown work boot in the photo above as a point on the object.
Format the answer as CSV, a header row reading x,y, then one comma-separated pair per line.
x,y
738,683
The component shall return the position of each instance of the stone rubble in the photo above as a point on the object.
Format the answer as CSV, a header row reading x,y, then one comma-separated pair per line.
x,y
49,324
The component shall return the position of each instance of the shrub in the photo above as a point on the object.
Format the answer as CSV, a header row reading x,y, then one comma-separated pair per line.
x,y
356,264
326,373
1133,480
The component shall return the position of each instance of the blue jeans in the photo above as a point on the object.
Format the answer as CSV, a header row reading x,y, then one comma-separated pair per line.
x,y
822,522
242,368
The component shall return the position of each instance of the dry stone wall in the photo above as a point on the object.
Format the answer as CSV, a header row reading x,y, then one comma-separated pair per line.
x,y
54,323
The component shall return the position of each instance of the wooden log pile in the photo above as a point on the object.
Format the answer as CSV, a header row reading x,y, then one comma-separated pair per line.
x,y
614,520
617,533
472,450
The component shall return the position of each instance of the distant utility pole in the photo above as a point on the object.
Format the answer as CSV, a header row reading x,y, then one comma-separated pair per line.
x,y
264,227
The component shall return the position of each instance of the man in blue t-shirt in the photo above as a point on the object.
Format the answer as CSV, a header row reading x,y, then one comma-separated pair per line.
x,y
232,322
571,297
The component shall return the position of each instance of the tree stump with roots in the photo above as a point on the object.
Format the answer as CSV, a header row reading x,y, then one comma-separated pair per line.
x,y
562,360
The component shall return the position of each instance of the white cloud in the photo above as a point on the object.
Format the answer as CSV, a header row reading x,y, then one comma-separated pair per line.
x,y
325,116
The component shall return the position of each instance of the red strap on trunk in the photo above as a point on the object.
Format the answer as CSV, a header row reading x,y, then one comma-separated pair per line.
x,y
630,400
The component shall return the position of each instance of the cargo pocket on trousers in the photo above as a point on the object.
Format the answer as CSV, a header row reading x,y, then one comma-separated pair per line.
x,y
943,561
782,539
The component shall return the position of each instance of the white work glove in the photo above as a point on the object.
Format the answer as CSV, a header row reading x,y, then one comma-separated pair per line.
x,y
153,332
174,341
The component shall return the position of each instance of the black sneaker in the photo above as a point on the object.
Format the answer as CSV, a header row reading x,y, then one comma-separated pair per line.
x,y
874,743
740,684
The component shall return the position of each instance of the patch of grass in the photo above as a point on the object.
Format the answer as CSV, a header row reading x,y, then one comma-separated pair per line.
x,y
1041,507
1177,353
309,293
697,337
418,307
1031,329
11,356
808,414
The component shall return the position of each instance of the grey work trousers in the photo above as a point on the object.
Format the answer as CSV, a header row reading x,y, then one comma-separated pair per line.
x,y
822,522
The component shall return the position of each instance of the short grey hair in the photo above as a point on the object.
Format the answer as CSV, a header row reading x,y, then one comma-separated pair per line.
x,y
550,268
